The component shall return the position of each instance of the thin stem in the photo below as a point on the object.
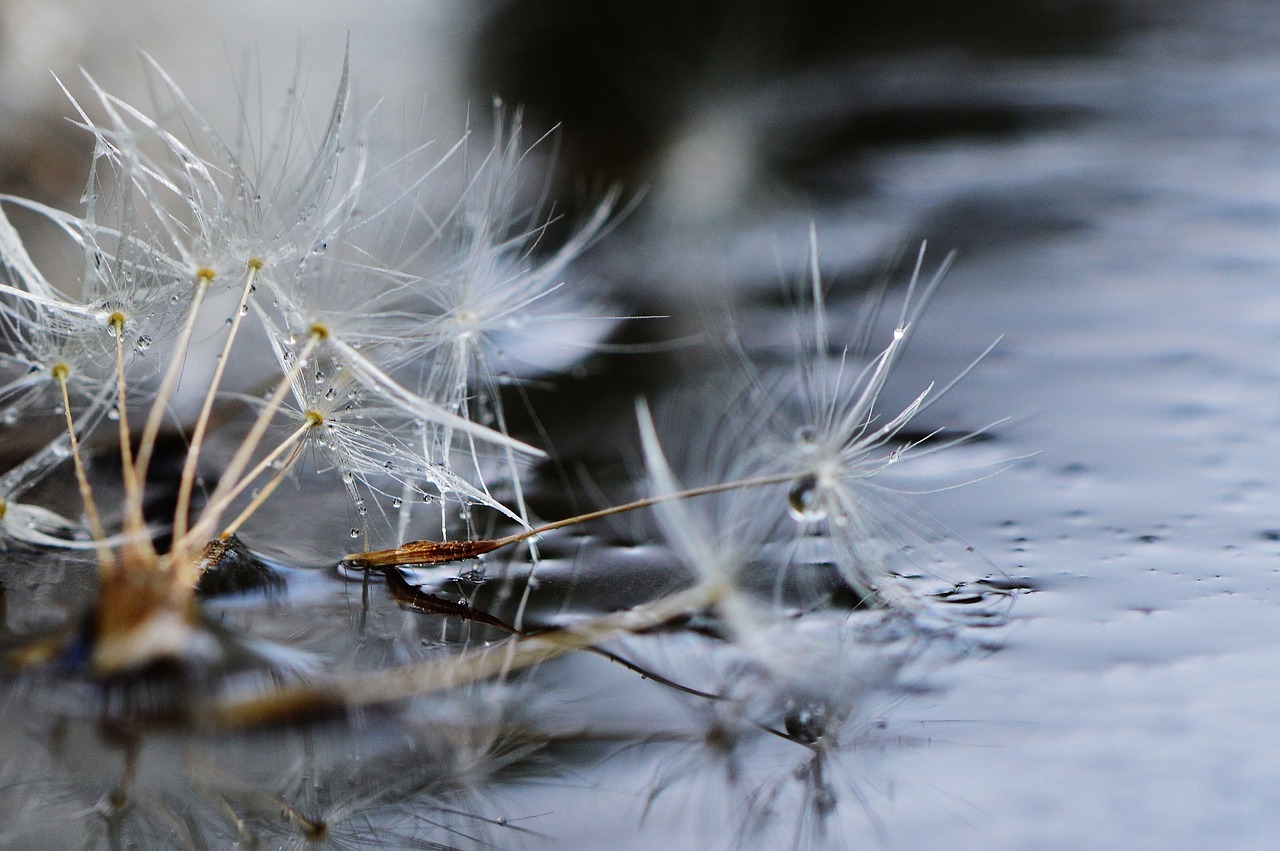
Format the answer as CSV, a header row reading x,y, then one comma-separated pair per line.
x,y
202,423
720,487
138,543
220,503
133,507
231,477
433,552
262,496
105,557
397,683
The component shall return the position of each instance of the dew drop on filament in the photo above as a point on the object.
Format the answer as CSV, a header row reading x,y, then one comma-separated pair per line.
x,y
804,500
142,343
806,721
355,533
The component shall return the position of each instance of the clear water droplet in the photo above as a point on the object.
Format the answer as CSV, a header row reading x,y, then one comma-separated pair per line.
x,y
804,500
806,721
330,394
142,343
113,414
397,502
355,533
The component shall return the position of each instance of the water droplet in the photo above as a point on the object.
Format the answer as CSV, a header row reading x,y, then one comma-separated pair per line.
x,y
804,500
320,376
142,343
389,467
805,722
173,299
244,308
355,533
397,502
10,417
330,394
113,414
